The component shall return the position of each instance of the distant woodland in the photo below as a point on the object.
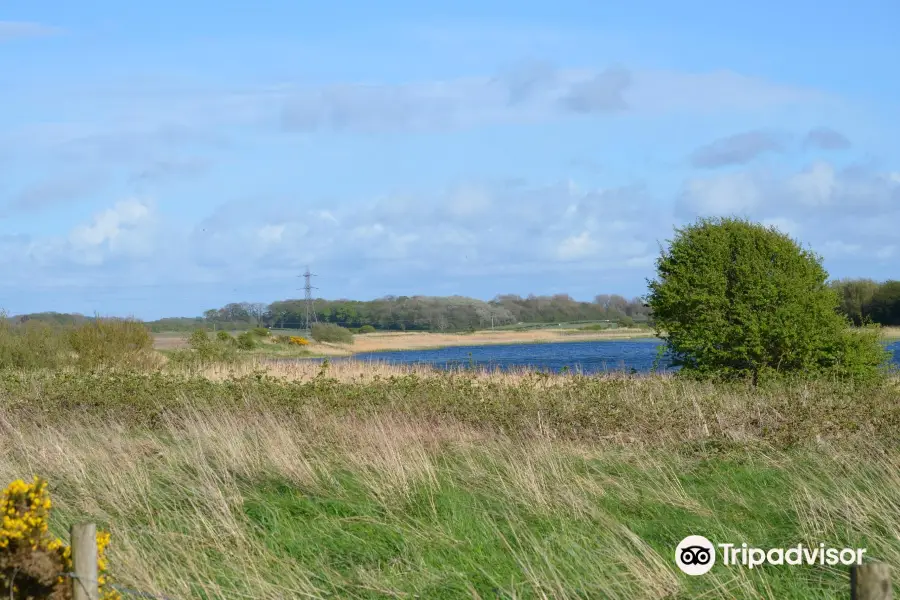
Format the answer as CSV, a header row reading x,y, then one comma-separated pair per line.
x,y
861,300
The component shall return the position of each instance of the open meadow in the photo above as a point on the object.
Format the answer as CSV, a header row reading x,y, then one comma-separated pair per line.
x,y
352,480
395,484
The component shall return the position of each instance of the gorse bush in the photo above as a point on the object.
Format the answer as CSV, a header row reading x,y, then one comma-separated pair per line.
x,y
33,564
367,329
329,332
737,300
224,336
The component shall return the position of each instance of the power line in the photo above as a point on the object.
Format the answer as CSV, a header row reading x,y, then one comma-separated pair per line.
x,y
308,299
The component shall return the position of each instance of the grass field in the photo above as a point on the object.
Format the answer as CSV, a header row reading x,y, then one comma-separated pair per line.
x,y
364,481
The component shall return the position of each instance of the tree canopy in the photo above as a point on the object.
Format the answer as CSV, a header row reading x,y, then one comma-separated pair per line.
x,y
416,313
865,300
734,299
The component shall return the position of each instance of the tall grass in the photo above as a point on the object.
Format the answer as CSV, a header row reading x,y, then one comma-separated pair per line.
x,y
255,500
575,408
95,344
229,480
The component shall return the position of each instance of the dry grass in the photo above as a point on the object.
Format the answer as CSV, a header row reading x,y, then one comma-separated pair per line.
x,y
376,342
891,333
177,341
388,341
170,341
357,371
444,510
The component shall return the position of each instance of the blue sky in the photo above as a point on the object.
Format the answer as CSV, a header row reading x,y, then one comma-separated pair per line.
x,y
159,160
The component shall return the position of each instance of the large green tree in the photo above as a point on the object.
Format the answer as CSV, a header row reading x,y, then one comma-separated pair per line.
x,y
734,299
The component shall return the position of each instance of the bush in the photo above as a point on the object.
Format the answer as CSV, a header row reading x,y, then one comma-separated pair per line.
x,y
283,339
224,336
261,332
31,345
298,341
109,342
329,332
246,340
31,560
367,329
625,321
737,300
199,338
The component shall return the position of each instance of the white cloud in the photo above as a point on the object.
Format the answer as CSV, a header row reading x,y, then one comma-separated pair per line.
x,y
531,92
814,187
109,225
470,201
126,232
135,123
849,213
271,233
578,247
421,237
788,226
723,194
475,228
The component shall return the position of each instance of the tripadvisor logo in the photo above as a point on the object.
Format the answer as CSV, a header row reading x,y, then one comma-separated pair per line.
x,y
696,555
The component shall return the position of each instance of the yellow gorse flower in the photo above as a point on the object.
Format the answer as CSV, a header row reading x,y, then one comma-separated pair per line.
x,y
25,509
299,341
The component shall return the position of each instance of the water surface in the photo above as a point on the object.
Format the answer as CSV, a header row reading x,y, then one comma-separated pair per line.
x,y
587,357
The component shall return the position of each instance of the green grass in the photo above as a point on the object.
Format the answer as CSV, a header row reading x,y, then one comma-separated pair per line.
x,y
232,503
455,485
473,531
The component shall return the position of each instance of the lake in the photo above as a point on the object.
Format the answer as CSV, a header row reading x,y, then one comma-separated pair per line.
x,y
588,357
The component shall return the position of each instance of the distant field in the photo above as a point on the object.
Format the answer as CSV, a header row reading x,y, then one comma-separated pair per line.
x,y
891,333
396,340
420,340
376,342
169,341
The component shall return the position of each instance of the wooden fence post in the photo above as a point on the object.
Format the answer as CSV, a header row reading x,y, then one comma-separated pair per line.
x,y
871,581
84,562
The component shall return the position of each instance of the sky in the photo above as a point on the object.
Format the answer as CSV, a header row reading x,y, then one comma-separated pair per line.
x,y
160,159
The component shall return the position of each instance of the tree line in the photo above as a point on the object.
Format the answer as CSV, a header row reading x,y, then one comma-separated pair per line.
x,y
869,301
861,301
431,313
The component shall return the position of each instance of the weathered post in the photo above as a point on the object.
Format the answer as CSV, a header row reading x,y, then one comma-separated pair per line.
x,y
84,562
871,581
